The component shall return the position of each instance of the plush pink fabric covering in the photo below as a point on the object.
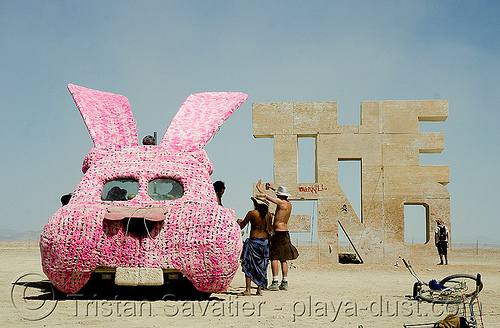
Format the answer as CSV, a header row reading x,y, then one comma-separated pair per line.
x,y
197,237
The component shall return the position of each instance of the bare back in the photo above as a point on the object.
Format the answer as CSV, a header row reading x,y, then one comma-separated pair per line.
x,y
283,210
257,224
282,214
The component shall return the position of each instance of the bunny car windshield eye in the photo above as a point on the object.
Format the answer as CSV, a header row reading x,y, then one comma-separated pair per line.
x,y
121,189
165,189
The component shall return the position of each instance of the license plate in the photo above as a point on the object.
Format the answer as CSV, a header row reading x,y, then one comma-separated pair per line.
x,y
139,276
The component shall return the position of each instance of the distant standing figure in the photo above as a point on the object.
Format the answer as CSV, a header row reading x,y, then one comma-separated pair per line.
x,y
441,240
219,187
281,249
255,254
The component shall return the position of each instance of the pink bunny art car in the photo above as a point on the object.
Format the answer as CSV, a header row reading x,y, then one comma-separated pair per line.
x,y
141,213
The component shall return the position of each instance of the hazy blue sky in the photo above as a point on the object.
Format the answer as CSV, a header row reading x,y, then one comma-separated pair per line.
x,y
158,52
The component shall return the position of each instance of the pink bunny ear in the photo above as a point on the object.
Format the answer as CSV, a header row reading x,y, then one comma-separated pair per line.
x,y
108,117
199,117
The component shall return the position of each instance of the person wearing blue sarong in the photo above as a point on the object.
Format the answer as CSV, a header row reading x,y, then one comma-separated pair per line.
x,y
255,255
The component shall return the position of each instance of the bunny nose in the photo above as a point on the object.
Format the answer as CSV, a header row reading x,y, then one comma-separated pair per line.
x,y
139,221
115,213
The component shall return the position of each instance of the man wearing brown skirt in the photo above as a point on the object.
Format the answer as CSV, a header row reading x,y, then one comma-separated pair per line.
x,y
281,249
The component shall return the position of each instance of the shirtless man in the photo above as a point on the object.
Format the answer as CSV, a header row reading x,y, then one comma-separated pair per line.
x,y
281,249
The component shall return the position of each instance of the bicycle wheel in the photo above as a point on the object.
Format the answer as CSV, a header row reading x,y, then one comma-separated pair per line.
x,y
456,285
463,283
439,297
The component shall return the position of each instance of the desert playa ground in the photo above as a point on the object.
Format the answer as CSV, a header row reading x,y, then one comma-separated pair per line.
x,y
371,295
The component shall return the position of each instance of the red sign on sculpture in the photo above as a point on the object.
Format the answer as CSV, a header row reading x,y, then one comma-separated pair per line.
x,y
313,189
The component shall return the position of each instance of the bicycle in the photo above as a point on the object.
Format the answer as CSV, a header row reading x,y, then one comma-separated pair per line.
x,y
453,289
449,290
